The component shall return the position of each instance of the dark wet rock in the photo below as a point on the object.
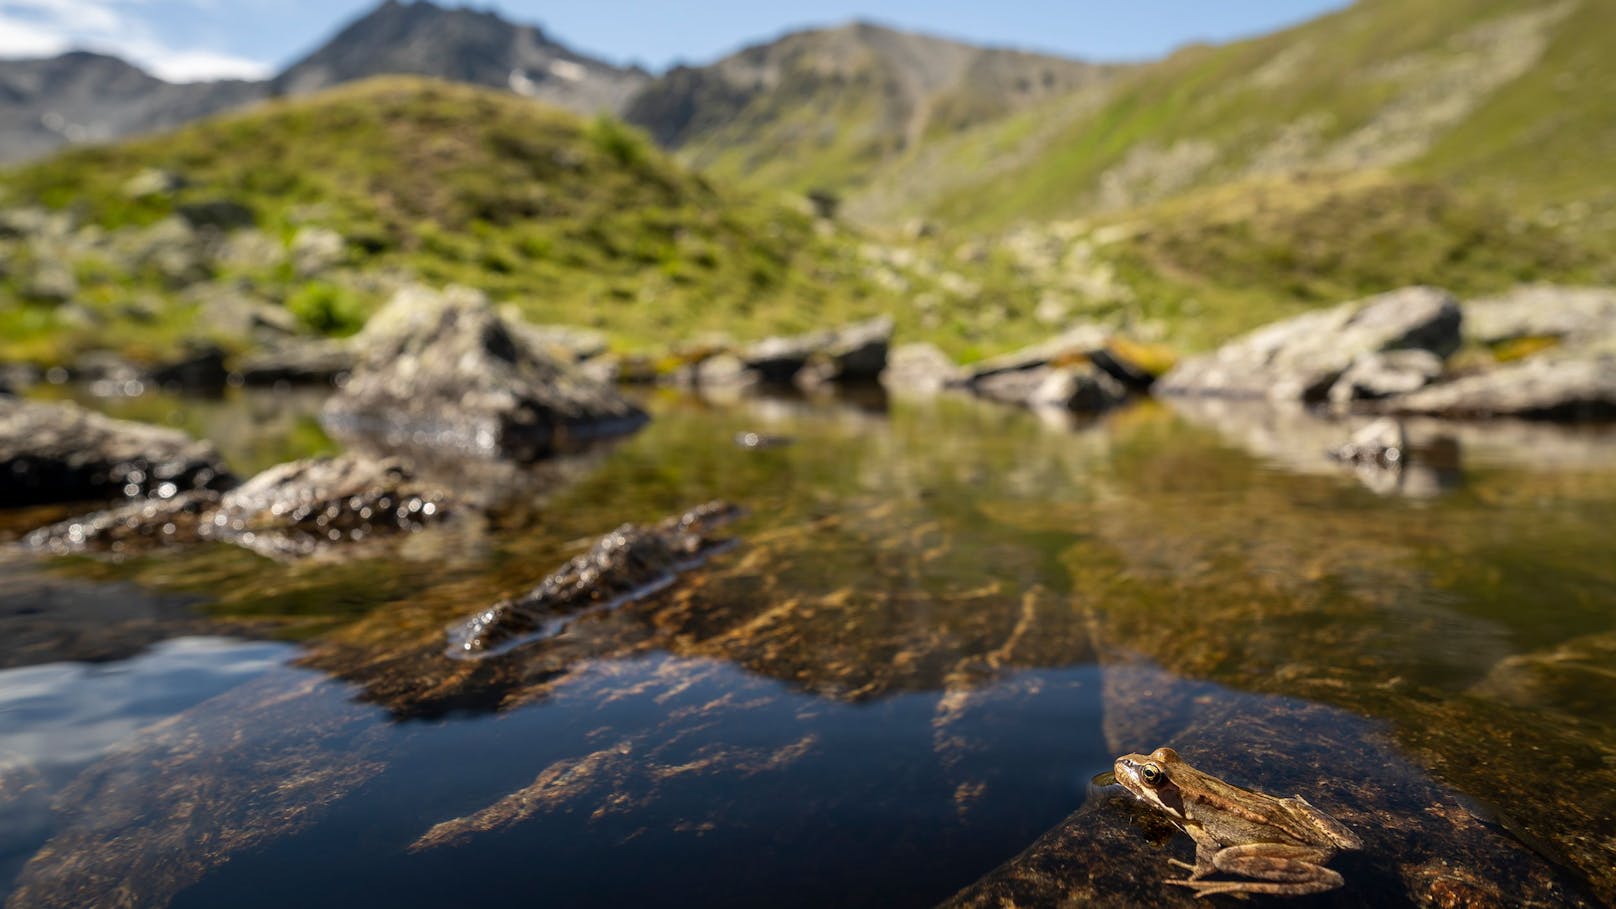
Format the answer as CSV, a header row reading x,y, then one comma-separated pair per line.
x,y
1571,316
63,453
857,353
919,369
1422,844
445,372
298,507
1381,443
1385,375
178,519
854,353
1546,387
293,509
1081,389
14,377
218,214
299,363
1299,359
202,368
630,562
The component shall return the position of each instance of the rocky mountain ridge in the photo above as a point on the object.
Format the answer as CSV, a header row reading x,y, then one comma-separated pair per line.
x,y
83,97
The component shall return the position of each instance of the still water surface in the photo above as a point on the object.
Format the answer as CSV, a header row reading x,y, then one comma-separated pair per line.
x,y
897,681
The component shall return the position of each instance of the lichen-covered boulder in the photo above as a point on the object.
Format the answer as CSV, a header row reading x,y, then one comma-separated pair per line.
x,y
1546,387
444,372
1301,358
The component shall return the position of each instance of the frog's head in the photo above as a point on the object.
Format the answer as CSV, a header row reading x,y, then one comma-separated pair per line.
x,y
1150,778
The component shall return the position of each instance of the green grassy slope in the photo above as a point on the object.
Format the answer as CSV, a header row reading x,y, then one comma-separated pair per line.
x,y
1514,97
572,220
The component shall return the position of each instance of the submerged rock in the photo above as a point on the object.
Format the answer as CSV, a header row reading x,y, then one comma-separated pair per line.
x,y
1301,358
1422,845
64,453
292,509
630,562
1546,387
443,371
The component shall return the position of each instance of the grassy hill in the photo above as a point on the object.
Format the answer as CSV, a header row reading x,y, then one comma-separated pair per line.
x,y
1512,97
571,220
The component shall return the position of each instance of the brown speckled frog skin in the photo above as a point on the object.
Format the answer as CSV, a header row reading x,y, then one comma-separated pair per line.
x,y
1281,844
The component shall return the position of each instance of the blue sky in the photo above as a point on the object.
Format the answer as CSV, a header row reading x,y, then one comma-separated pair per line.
x,y
193,39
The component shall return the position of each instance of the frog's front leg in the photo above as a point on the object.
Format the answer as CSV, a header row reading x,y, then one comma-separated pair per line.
x,y
1206,850
1278,869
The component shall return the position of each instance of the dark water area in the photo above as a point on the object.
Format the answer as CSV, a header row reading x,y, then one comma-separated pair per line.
x,y
925,644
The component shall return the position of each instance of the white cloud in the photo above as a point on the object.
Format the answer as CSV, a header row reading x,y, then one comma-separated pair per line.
x,y
24,39
42,28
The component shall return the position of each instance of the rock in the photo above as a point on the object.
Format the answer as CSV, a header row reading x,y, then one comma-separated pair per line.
x,y
217,214
921,369
293,509
296,508
1569,315
858,353
51,282
154,182
107,374
853,353
778,360
632,561
237,311
1076,344
316,250
1385,375
136,524
1299,359
201,369
299,363
251,250
568,343
1382,443
442,371
721,371
1080,389
1083,389
1422,846
64,453
1545,387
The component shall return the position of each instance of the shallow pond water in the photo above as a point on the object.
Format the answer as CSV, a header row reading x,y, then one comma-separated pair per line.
x,y
904,674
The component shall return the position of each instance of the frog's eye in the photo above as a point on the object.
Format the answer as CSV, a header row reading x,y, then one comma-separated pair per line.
x,y
1152,774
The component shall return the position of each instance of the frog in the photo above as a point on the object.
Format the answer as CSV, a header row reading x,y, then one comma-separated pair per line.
x,y
1280,844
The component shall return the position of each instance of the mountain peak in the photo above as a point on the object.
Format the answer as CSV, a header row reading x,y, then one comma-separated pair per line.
x,y
462,44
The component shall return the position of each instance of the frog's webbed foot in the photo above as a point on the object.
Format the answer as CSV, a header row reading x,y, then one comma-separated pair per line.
x,y
1196,871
